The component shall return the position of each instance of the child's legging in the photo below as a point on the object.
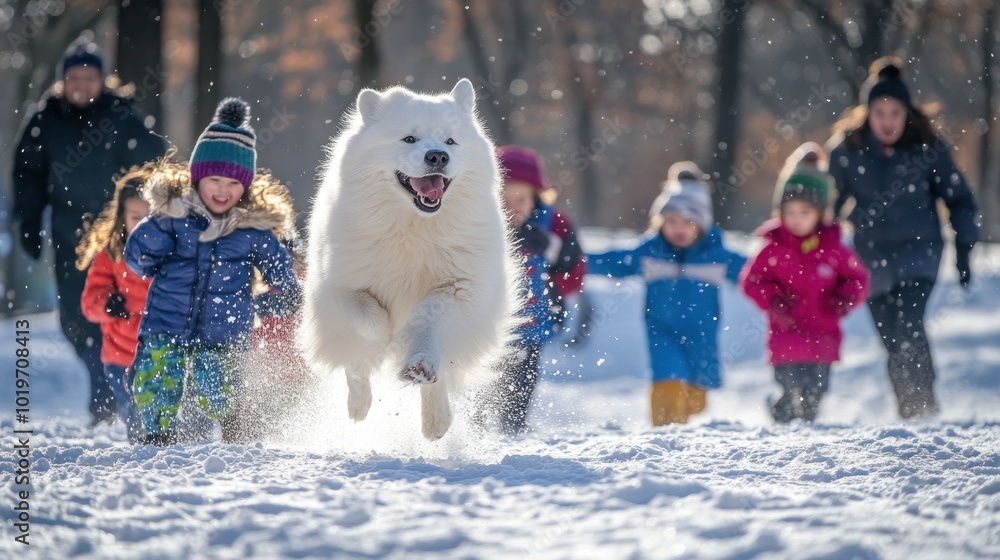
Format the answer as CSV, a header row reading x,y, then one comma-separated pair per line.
x,y
162,371
514,388
804,385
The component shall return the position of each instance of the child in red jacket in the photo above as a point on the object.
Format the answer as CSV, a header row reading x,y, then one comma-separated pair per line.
x,y
806,280
113,296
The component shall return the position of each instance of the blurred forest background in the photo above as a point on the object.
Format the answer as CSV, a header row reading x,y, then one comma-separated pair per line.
x,y
611,92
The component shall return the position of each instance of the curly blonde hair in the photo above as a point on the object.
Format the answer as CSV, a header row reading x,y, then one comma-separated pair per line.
x,y
107,232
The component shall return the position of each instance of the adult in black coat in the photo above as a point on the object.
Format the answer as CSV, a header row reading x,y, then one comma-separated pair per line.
x,y
71,147
891,162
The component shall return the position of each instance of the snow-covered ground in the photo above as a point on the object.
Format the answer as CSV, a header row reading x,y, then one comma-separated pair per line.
x,y
592,480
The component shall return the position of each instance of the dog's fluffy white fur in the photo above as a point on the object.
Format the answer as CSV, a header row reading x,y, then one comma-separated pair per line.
x,y
396,271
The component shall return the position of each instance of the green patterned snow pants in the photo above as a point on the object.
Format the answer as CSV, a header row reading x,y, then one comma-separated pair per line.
x,y
164,368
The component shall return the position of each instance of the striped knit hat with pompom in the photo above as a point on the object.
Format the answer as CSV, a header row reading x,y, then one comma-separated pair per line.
x,y
227,147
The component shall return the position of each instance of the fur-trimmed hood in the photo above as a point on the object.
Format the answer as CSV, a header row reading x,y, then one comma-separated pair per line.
x,y
202,276
266,205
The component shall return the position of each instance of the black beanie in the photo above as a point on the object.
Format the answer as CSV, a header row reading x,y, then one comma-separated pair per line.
x,y
889,84
82,53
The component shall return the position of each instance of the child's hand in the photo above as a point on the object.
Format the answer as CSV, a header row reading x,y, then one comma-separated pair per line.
x,y
962,263
115,306
841,307
781,308
534,240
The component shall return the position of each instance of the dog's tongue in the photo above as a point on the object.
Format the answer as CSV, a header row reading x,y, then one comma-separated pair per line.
x,y
431,186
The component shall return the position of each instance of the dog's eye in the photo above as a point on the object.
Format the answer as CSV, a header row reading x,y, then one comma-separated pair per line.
x,y
409,139
451,142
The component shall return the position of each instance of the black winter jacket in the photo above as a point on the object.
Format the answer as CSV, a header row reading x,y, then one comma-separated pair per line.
x,y
67,158
895,217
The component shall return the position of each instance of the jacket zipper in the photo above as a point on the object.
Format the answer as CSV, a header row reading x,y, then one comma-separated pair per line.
x,y
191,299
208,278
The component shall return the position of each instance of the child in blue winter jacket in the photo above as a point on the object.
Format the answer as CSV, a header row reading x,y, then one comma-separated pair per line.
x,y
211,224
683,262
509,398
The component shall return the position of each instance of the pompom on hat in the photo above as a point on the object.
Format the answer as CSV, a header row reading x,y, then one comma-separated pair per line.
x,y
227,147
886,80
686,193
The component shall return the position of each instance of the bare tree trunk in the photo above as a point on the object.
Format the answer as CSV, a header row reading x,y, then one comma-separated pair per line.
x,y
494,79
853,59
876,21
591,200
140,49
369,60
208,78
988,189
487,79
727,121
591,193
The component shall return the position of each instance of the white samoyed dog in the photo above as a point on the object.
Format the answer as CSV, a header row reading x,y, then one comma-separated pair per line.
x,y
409,257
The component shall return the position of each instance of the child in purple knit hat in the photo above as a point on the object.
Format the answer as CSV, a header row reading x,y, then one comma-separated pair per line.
x,y
211,224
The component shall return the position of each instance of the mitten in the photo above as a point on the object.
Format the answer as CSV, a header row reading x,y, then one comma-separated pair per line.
x,y
835,303
115,306
534,240
781,306
841,307
962,263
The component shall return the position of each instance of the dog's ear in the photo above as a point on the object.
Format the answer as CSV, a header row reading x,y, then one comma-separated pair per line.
x,y
464,94
369,105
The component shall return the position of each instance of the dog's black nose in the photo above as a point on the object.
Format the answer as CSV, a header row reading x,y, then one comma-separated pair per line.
x,y
436,158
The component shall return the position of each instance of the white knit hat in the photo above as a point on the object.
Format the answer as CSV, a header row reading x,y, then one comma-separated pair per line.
x,y
686,193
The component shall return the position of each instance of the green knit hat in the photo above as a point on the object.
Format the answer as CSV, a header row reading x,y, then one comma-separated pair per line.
x,y
808,184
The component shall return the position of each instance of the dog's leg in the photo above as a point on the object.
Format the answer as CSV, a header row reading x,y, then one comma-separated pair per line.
x,y
423,359
435,411
368,318
359,392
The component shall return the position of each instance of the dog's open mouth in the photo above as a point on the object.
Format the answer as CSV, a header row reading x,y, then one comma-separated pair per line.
x,y
427,191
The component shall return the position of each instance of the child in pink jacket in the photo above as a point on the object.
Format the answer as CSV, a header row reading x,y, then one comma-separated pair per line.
x,y
806,280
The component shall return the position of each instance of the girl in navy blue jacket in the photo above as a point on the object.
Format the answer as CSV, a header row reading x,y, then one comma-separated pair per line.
x,y
211,224
683,262
894,167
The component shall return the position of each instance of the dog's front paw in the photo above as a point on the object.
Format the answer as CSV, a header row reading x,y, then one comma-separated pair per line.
x,y
420,371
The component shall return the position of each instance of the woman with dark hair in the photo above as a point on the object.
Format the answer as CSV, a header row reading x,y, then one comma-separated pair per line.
x,y
890,161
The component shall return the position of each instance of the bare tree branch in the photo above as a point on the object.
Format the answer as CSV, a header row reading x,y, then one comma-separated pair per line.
x,y
369,60
480,62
